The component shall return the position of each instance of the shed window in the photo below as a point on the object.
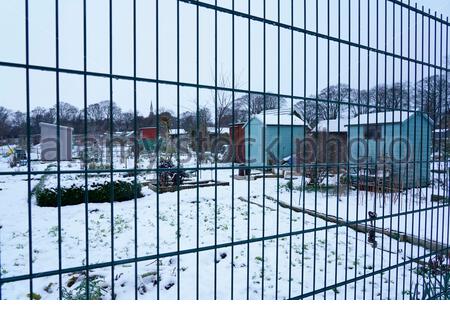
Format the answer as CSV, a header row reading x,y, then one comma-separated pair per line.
x,y
372,132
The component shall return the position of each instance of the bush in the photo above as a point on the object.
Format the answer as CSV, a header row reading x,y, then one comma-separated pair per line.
x,y
97,193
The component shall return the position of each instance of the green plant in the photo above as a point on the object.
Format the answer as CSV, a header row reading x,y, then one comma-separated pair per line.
x,y
96,291
34,296
97,193
436,281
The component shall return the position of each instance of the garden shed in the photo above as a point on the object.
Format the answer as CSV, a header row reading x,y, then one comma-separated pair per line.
x,y
330,142
49,145
272,136
237,139
148,133
393,146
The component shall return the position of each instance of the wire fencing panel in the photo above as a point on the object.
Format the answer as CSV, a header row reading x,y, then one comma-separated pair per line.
x,y
271,149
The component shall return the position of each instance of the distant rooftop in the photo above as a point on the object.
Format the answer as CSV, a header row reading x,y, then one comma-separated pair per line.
x,y
282,117
219,129
174,132
335,125
382,117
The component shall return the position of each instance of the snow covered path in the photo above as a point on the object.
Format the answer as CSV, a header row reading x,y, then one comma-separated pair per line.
x,y
309,260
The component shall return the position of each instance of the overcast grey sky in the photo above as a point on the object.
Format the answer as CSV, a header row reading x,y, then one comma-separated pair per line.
x,y
42,49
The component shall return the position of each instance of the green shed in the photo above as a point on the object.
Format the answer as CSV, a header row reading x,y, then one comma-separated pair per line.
x,y
393,146
268,137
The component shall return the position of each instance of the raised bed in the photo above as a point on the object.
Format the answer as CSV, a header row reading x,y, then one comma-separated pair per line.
x,y
257,176
439,198
185,186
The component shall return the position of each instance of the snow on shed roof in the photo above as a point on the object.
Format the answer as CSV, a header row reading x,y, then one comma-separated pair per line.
x,y
284,120
335,125
441,130
175,132
286,117
212,130
382,117
52,125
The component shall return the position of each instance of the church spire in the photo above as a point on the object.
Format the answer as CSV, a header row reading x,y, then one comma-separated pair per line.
x,y
151,109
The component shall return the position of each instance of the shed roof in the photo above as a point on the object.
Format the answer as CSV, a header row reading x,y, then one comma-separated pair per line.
x,y
52,125
282,117
441,131
335,125
175,132
283,120
212,130
383,117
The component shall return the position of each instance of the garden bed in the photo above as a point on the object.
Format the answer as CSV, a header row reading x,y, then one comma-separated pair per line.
x,y
187,185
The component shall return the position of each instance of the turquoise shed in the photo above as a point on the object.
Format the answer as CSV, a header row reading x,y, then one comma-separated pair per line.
x,y
268,137
393,146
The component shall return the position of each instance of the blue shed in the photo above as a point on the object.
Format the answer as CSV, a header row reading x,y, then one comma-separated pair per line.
x,y
268,137
393,146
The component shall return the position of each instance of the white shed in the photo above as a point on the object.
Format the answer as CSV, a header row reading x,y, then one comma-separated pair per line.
x,y
49,142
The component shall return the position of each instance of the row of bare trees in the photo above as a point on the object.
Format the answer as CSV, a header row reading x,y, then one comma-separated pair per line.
x,y
431,95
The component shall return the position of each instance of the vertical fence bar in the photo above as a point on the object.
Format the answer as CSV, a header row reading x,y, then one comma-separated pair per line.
x,y
158,185
178,234
233,144
264,147
377,71
135,154
316,164
278,151
215,145
111,144
303,195
197,134
293,154
348,146
85,140
338,191
249,59
326,157
58,148
27,88
414,162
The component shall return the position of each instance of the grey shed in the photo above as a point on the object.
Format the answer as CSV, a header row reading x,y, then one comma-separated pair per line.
x,y
49,139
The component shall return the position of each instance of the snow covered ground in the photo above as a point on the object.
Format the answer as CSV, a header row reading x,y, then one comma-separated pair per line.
x,y
317,255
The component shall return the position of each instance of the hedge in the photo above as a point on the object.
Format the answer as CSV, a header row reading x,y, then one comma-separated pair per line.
x,y
97,193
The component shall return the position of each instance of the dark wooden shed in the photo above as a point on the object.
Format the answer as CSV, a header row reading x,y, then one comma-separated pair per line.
x,y
237,139
330,143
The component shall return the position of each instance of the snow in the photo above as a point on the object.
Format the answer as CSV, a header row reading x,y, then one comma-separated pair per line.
x,y
53,125
220,130
381,117
337,254
283,120
73,180
335,125
275,117
175,132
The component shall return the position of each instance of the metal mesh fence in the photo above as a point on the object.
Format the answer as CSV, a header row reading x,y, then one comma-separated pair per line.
x,y
271,149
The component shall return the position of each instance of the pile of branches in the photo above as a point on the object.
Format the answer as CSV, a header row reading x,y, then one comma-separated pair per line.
x,y
169,174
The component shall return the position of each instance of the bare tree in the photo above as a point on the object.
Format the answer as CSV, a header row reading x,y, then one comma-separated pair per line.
x,y
257,103
4,123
